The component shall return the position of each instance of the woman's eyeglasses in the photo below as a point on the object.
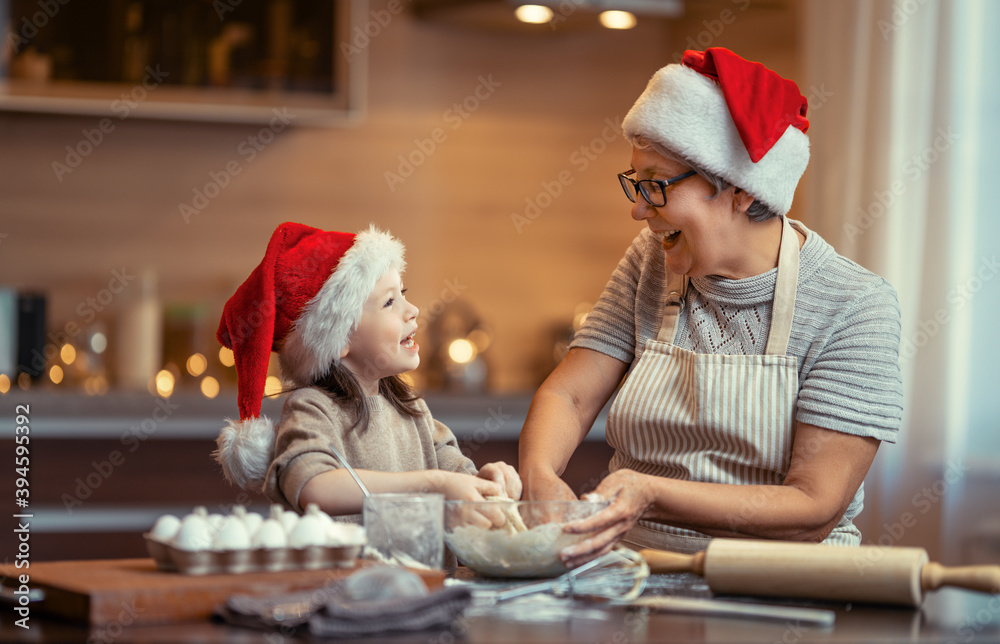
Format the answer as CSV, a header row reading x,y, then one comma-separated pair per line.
x,y
654,191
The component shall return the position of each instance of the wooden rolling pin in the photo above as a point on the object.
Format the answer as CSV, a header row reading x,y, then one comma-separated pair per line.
x,y
815,571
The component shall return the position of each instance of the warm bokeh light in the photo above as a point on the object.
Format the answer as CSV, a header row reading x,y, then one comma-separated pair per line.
x,y
226,357
272,386
617,19
98,342
56,374
164,383
481,339
95,386
197,364
533,13
24,381
209,387
4,383
578,320
461,351
67,353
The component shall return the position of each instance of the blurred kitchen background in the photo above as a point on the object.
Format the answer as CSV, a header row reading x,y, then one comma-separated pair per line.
x,y
149,149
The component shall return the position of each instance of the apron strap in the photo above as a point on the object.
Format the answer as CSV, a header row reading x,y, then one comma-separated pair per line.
x,y
675,289
783,308
785,284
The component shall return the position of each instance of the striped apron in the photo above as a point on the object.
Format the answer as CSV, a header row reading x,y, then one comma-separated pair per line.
x,y
711,418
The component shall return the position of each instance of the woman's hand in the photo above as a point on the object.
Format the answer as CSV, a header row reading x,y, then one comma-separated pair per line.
x,y
548,486
503,475
630,497
561,414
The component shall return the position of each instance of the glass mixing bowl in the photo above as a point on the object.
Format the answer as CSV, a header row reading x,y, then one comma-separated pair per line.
x,y
514,538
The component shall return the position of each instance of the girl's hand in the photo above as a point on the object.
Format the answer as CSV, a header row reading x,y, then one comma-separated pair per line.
x,y
505,476
456,486
629,494
465,487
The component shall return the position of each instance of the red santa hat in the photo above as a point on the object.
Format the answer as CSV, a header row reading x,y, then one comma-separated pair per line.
x,y
732,117
303,300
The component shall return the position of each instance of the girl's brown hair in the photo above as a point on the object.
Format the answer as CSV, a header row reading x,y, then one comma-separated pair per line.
x,y
343,387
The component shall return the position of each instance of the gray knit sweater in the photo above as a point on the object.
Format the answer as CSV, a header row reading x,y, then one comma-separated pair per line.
x,y
845,333
311,420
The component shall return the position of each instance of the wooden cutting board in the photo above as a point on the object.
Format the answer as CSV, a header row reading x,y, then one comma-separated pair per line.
x,y
133,591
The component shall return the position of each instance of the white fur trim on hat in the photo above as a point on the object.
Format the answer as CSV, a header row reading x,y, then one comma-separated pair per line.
x,y
685,112
245,449
323,329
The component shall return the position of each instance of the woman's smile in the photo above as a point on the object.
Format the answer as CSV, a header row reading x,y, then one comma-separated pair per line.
x,y
703,233
670,239
686,208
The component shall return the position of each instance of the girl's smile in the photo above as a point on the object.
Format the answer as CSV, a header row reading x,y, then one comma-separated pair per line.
x,y
383,344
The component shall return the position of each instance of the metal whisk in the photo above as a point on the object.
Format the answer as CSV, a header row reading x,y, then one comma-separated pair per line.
x,y
619,575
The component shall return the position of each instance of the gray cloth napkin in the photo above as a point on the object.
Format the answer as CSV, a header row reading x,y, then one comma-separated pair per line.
x,y
352,618
375,600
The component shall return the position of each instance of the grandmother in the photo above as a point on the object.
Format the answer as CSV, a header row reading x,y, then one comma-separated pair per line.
x,y
760,367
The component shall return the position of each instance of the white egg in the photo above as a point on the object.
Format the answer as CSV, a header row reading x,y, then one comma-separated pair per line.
x,y
310,529
253,521
232,535
327,519
344,534
289,519
215,522
195,532
271,534
166,528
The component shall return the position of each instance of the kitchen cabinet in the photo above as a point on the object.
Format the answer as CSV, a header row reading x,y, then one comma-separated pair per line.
x,y
240,61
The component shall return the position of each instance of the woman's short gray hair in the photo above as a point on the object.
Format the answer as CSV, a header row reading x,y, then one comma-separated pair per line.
x,y
758,210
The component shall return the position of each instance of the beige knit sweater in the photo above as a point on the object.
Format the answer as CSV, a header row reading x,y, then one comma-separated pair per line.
x,y
310,421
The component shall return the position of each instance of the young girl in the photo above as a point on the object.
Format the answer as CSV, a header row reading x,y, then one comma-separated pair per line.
x,y
332,305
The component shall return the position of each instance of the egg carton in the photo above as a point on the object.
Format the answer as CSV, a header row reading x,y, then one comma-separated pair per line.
x,y
209,562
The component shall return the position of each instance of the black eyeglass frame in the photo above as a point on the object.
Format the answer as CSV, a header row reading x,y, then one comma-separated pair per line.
x,y
640,187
